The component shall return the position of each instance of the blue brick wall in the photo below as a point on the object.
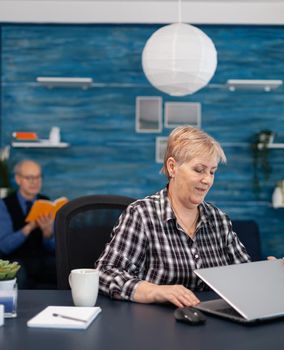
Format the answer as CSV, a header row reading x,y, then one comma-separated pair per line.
x,y
106,154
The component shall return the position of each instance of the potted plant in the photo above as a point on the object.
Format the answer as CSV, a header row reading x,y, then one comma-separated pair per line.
x,y
8,287
5,185
260,152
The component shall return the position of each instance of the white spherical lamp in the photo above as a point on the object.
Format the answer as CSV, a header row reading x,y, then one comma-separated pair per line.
x,y
179,59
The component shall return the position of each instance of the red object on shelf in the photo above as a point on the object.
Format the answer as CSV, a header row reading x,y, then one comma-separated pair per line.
x,y
25,136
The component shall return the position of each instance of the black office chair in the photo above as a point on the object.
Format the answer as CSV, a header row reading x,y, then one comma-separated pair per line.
x,y
248,233
82,229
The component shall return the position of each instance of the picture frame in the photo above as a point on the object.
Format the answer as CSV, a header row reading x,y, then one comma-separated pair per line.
x,y
148,114
161,144
182,113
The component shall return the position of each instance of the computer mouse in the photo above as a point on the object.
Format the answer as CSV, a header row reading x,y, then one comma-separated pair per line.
x,y
190,315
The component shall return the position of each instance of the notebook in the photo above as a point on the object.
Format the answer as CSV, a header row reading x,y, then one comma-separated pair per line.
x,y
250,292
68,317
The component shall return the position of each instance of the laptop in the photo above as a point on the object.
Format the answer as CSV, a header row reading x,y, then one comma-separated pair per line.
x,y
250,292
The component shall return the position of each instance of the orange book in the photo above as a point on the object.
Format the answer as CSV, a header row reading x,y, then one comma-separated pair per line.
x,y
45,207
25,136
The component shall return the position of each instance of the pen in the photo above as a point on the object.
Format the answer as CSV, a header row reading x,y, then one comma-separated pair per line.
x,y
69,317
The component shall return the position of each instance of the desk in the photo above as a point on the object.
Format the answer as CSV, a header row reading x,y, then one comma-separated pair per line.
x,y
131,326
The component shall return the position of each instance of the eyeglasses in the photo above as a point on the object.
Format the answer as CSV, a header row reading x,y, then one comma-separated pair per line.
x,y
31,178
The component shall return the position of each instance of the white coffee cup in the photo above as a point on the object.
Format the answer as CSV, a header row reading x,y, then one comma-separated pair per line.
x,y
84,285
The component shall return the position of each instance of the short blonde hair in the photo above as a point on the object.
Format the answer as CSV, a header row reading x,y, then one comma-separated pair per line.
x,y
186,143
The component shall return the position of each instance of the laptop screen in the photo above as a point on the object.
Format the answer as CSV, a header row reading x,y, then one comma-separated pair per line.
x,y
255,290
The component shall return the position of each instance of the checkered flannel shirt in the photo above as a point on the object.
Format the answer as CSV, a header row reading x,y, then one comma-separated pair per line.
x,y
148,244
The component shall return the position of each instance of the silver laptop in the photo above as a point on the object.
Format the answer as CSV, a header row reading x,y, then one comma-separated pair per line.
x,y
250,292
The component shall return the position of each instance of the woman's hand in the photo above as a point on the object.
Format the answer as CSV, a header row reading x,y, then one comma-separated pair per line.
x,y
45,223
176,294
274,258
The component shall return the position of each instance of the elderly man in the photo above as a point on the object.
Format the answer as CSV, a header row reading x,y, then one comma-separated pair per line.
x,y
32,244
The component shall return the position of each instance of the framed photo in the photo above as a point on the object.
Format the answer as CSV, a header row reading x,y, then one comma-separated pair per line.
x,y
148,114
161,144
182,113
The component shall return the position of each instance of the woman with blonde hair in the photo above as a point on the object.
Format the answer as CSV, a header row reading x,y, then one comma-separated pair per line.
x,y
161,239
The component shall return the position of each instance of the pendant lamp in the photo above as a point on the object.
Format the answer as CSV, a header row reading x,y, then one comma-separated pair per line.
x,y
179,59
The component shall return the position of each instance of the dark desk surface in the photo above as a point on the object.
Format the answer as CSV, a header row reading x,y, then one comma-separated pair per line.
x,y
126,325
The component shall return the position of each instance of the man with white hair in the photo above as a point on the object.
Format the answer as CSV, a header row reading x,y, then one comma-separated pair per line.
x,y
30,243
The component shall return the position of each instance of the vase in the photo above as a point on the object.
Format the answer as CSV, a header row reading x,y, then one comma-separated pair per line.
x,y
3,192
9,296
277,199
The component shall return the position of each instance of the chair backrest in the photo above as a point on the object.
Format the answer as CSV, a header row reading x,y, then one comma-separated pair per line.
x,y
248,233
82,229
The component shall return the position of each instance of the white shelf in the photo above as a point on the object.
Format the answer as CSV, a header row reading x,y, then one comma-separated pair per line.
x,y
246,144
51,82
278,206
271,145
257,84
39,144
276,145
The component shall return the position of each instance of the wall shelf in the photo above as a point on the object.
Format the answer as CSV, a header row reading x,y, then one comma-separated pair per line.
x,y
272,145
247,144
277,206
51,82
253,84
39,144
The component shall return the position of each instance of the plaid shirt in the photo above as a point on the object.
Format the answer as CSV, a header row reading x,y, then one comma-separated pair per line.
x,y
148,244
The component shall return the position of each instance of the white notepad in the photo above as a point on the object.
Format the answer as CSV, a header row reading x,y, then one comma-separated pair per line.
x,y
68,317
